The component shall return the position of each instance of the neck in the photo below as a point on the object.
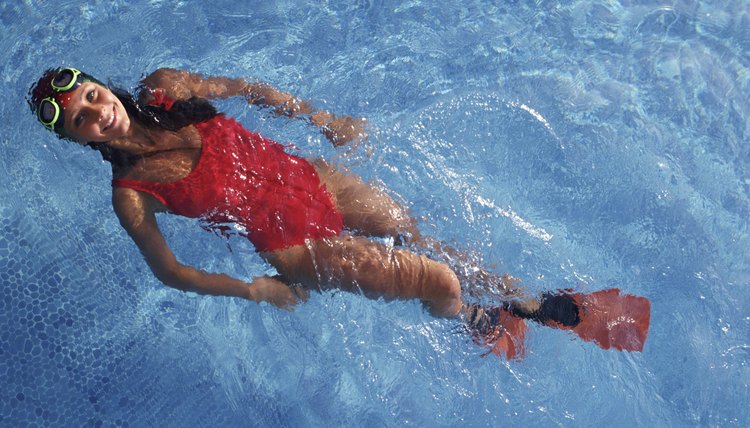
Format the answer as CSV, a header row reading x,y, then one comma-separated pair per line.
x,y
137,140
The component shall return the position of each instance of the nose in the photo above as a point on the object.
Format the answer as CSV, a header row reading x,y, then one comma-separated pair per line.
x,y
99,112
94,110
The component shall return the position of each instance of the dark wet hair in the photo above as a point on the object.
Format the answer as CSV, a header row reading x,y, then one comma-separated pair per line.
x,y
41,89
181,114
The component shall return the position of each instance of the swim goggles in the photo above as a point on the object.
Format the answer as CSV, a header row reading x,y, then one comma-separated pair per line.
x,y
65,80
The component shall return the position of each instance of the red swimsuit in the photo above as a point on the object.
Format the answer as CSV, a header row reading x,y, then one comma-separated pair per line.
x,y
242,178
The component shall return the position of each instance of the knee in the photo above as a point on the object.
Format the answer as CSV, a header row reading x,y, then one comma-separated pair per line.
x,y
444,291
294,263
448,282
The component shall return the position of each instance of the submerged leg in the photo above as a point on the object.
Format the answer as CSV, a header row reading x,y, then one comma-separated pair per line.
x,y
360,265
372,212
378,270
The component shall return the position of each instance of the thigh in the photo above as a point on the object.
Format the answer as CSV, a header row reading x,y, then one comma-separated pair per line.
x,y
365,208
360,265
351,263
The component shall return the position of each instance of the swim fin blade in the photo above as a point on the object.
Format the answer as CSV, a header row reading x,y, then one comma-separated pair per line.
x,y
611,319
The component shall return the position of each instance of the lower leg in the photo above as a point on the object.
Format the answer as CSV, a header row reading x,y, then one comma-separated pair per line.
x,y
466,267
376,270
373,212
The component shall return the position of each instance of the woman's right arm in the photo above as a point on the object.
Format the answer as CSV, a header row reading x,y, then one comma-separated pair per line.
x,y
136,212
182,85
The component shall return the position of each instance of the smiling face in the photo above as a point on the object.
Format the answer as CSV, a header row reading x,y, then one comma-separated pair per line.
x,y
94,114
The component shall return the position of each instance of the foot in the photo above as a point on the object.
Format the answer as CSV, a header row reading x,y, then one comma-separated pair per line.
x,y
553,309
497,329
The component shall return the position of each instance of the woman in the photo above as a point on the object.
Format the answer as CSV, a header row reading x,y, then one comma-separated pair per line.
x,y
171,151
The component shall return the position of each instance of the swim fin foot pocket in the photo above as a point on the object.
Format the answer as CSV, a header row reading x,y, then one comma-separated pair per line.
x,y
558,308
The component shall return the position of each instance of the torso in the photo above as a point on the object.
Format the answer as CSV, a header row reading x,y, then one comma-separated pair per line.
x,y
223,174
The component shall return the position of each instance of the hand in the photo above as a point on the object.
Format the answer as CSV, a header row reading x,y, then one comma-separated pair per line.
x,y
276,293
345,129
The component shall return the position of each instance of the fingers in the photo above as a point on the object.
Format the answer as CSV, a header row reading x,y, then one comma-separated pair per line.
x,y
292,298
286,302
301,293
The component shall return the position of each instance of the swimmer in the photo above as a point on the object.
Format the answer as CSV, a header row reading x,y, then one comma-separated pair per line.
x,y
171,151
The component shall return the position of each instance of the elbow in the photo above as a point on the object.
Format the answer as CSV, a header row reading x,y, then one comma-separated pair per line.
x,y
174,82
162,77
175,277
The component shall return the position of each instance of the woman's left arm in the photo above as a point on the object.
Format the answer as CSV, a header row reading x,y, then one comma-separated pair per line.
x,y
182,85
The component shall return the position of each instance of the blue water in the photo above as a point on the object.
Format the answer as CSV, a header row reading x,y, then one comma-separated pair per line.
x,y
585,145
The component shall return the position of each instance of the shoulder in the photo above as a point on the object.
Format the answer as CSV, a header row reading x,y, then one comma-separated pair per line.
x,y
133,207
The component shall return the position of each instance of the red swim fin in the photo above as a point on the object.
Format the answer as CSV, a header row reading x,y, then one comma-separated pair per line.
x,y
611,319
507,337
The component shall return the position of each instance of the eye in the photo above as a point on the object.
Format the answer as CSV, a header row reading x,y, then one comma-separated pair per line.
x,y
78,121
90,95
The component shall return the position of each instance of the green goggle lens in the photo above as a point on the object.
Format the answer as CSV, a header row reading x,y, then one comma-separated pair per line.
x,y
65,79
49,113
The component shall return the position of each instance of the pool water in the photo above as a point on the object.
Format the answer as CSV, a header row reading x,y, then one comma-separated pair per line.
x,y
584,145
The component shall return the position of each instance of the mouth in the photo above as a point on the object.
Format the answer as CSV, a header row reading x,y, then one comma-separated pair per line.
x,y
112,120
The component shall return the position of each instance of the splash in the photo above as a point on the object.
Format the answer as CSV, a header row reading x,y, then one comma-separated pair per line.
x,y
517,220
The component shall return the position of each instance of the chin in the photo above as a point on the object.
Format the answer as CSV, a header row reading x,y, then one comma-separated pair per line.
x,y
125,126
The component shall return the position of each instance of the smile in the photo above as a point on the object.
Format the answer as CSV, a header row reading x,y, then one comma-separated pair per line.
x,y
111,120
